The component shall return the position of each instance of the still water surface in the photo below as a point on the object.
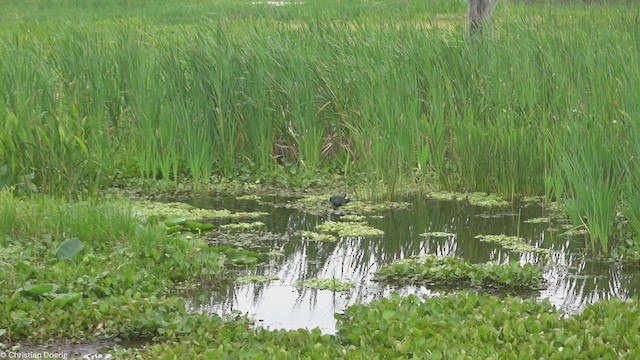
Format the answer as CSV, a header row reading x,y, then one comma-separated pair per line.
x,y
572,280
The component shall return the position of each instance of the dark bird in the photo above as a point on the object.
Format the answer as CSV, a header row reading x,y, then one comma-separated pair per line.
x,y
339,200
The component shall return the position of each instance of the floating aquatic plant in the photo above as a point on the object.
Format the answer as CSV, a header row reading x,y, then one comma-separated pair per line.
x,y
316,236
248,197
236,256
349,229
437,234
243,238
255,279
513,243
243,226
539,220
148,208
474,198
450,271
351,217
333,284
320,205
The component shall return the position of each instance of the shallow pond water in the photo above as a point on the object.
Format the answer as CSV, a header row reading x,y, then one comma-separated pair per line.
x,y
572,281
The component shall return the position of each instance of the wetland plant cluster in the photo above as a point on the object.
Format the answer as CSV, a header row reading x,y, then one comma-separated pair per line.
x,y
461,326
392,90
122,280
431,270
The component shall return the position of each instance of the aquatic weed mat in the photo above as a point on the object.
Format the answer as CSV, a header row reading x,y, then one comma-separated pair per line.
x,y
447,271
462,326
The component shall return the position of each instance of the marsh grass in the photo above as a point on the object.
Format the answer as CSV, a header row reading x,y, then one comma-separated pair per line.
x,y
351,88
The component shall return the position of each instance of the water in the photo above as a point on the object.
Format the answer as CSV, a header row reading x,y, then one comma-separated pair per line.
x,y
573,281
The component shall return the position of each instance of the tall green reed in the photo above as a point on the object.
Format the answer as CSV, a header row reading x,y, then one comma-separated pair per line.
x,y
372,91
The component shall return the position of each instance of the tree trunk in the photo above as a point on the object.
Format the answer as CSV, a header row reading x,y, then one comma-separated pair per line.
x,y
480,12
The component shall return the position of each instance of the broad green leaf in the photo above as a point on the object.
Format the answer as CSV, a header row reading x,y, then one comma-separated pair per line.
x,y
61,300
69,248
40,289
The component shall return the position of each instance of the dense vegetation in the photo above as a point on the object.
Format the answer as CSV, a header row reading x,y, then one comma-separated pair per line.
x,y
117,285
431,270
394,90
100,93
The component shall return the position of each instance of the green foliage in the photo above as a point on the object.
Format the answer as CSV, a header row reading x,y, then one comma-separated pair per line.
x,y
513,243
236,256
473,326
115,286
316,236
255,279
461,326
333,284
174,213
244,226
122,93
352,229
70,248
433,270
